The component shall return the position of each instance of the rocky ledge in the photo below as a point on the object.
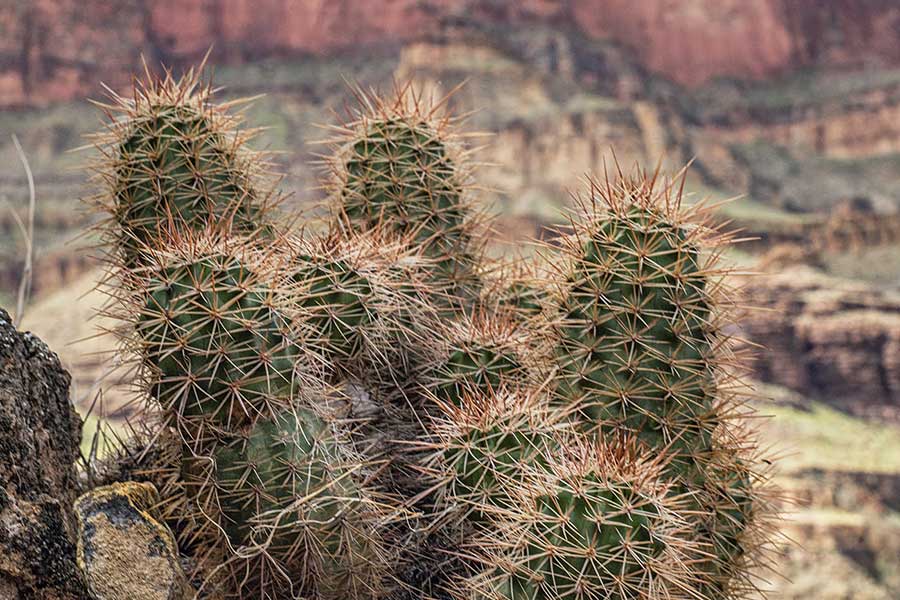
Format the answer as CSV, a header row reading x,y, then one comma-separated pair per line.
x,y
828,338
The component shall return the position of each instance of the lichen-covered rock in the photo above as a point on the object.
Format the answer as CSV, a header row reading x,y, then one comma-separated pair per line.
x,y
40,434
124,552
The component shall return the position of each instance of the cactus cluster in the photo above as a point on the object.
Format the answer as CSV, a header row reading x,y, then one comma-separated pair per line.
x,y
379,411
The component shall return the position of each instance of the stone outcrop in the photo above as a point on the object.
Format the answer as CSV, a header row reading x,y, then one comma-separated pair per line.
x,y
849,491
40,434
55,50
123,550
829,339
847,228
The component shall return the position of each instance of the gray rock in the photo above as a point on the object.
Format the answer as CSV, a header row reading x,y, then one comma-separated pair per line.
x,y
40,435
124,552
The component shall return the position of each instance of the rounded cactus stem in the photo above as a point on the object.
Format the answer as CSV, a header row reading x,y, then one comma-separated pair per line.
x,y
642,354
636,350
358,299
289,496
490,441
597,524
218,352
339,302
481,353
399,173
171,161
399,167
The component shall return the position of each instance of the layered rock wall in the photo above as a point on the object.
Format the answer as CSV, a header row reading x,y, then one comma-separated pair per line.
x,y
831,340
52,50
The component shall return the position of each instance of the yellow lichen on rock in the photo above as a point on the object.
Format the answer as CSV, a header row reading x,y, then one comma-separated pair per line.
x,y
124,552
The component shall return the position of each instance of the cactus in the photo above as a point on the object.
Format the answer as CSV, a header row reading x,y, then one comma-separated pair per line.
x,y
516,288
358,297
480,354
286,489
489,441
172,160
225,370
398,166
634,344
598,524
641,353
326,428
338,297
219,352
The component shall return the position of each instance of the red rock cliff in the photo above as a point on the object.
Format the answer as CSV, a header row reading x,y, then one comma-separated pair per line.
x,y
54,50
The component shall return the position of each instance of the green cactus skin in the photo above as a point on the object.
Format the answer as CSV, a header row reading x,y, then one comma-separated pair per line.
x,y
399,173
398,169
481,353
587,532
338,300
734,506
639,355
475,367
635,348
286,489
221,355
488,461
360,301
174,163
605,533
490,441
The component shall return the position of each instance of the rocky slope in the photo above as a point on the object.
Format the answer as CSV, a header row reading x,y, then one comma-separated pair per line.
x,y
54,50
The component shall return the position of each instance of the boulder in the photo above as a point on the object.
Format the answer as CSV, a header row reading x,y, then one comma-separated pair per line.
x,y
40,435
123,550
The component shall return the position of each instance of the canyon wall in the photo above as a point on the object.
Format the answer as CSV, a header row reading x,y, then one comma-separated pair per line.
x,y
54,50
829,339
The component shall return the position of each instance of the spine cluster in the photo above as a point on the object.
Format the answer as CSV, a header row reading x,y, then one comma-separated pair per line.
x,y
380,411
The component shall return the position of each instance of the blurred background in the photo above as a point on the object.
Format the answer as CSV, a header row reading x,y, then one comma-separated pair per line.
x,y
792,106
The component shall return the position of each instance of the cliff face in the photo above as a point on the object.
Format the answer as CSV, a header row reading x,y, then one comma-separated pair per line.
x,y
53,50
696,40
828,339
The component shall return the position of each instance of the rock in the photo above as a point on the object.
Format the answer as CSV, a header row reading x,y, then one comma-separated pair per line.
x,y
55,49
124,552
827,338
40,435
